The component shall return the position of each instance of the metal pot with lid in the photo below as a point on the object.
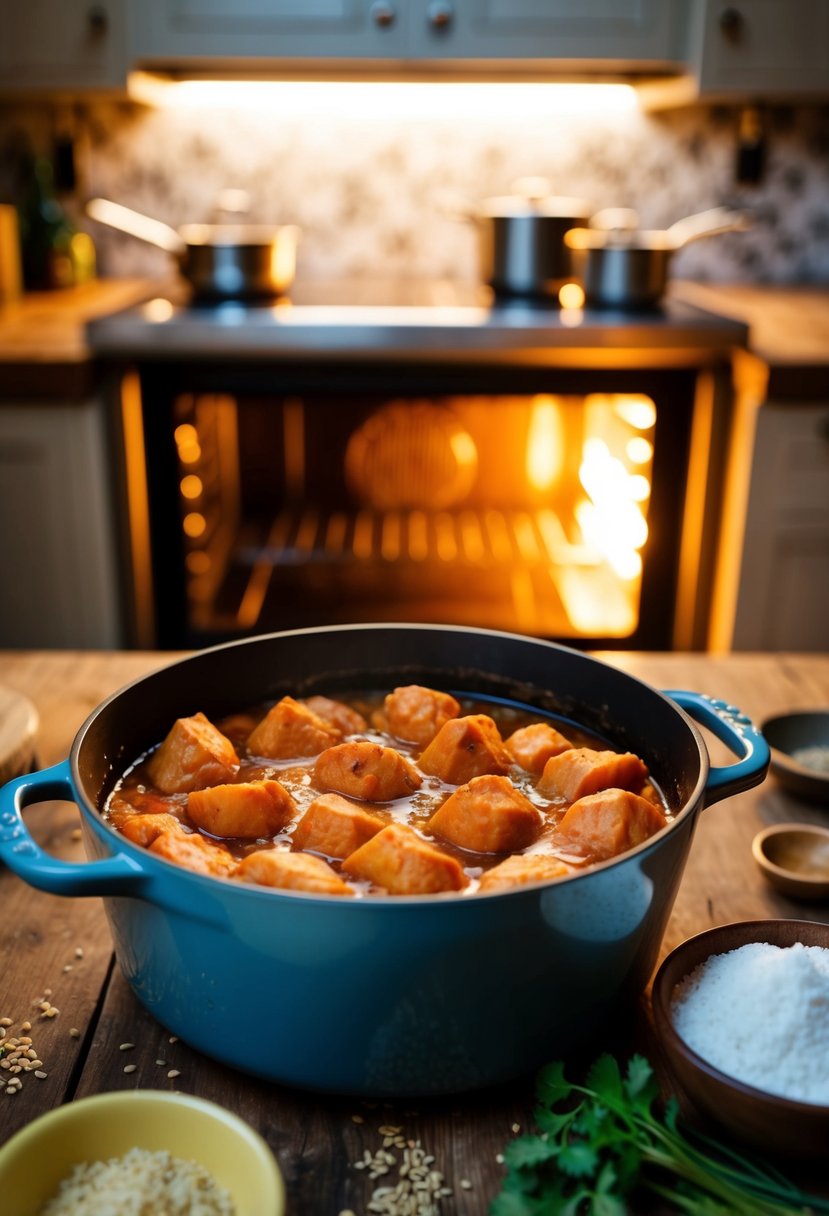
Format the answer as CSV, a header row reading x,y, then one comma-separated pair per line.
x,y
228,260
621,266
521,238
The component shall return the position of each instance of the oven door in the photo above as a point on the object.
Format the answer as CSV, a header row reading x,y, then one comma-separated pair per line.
x,y
542,501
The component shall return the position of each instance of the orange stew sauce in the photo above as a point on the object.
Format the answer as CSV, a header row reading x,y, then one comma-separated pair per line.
x,y
409,792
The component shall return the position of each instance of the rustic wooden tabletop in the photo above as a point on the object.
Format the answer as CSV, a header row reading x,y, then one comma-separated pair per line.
x,y
57,955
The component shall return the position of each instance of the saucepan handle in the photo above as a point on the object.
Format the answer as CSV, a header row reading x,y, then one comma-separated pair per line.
x,y
738,733
118,875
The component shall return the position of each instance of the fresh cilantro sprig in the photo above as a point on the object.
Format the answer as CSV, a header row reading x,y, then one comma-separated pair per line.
x,y
600,1142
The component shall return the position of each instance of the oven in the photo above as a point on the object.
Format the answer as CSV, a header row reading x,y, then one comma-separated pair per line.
x,y
541,483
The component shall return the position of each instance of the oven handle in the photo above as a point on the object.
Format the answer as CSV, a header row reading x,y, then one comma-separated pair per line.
x,y
733,728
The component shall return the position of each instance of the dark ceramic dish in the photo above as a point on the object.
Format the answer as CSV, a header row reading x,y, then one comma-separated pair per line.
x,y
762,1120
790,734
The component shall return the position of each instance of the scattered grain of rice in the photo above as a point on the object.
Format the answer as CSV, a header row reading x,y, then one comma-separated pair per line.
x,y
357,1119
74,1033
130,1067
465,1184
67,966
161,1063
6,1022
40,1074
126,1047
174,1072
26,1026
516,1127
79,952
173,1038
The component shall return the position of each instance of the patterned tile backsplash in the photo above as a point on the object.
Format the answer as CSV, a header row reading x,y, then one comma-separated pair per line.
x,y
375,198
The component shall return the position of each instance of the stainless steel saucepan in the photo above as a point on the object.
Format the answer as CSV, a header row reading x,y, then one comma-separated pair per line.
x,y
620,266
219,261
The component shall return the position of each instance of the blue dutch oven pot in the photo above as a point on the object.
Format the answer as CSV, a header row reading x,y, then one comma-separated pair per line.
x,y
385,995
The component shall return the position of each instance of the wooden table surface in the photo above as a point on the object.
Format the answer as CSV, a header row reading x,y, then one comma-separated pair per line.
x,y
59,950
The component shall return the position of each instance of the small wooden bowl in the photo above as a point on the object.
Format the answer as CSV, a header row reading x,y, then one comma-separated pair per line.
x,y
789,735
765,1121
794,857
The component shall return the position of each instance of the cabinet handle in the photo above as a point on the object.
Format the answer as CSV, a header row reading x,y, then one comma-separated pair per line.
x,y
732,25
382,13
97,21
439,14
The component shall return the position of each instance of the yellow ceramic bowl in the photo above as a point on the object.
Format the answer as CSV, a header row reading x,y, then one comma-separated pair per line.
x,y
35,1161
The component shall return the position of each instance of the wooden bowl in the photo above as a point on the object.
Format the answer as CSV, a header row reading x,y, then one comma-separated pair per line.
x,y
794,857
763,1120
793,738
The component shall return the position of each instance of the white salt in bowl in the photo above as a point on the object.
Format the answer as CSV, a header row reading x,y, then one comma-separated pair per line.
x,y
35,1161
761,1119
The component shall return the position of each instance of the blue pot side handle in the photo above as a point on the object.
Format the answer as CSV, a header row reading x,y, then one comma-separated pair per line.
x,y
118,875
738,733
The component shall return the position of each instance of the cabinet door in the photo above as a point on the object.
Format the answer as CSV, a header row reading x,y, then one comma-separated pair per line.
x,y
73,44
57,563
763,47
626,32
783,601
179,31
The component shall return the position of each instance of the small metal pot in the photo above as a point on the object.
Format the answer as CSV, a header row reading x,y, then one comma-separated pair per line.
x,y
622,267
219,261
521,236
384,994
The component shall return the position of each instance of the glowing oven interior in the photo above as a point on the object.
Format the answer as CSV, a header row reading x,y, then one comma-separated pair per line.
x,y
525,512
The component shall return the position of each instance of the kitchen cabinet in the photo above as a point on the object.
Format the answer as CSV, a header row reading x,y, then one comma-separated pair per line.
x,y
762,48
57,557
627,32
55,45
783,601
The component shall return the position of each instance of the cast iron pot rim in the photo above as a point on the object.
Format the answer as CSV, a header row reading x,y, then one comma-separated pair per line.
x,y
693,804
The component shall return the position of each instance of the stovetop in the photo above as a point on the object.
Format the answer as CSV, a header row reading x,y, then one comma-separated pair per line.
x,y
408,319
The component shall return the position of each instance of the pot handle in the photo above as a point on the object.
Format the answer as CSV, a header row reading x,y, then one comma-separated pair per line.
x,y
118,875
738,733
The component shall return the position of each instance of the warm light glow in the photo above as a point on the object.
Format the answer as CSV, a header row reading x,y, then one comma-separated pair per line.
x,y
189,453
158,310
194,524
639,450
185,433
545,444
197,562
571,295
463,449
639,487
191,486
639,412
389,100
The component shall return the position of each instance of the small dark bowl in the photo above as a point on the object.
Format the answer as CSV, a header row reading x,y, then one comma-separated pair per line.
x,y
765,1121
789,733
794,858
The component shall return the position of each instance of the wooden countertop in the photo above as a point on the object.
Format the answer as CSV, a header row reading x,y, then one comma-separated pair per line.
x,y
62,948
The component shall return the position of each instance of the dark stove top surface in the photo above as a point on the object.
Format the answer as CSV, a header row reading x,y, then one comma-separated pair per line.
x,y
406,319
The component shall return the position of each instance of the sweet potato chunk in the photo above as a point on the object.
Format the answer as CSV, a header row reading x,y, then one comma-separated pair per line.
x,y
144,828
250,809
465,748
342,717
335,827
290,728
520,870
398,860
416,714
489,815
367,771
532,746
193,755
291,871
194,853
581,770
607,823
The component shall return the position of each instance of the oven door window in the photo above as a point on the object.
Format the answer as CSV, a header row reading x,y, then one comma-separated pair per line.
x,y
520,512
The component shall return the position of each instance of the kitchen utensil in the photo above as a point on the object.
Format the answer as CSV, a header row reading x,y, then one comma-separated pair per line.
x,y
800,753
35,1161
384,995
521,239
220,261
620,266
768,1122
794,857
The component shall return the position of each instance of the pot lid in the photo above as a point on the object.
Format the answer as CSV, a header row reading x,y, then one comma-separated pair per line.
x,y
533,196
